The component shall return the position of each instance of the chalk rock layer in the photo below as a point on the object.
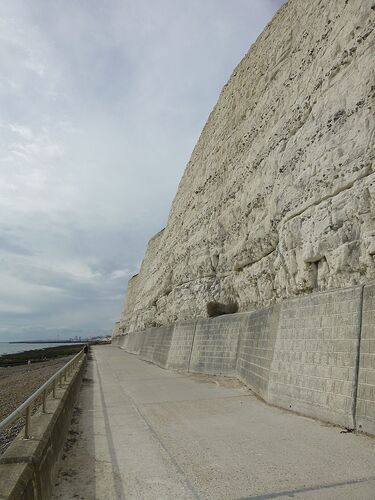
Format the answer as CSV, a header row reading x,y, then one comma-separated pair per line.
x,y
278,198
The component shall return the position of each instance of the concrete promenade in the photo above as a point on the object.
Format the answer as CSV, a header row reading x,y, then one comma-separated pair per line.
x,y
142,432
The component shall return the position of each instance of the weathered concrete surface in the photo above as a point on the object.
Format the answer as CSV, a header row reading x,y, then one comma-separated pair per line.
x,y
278,198
313,370
215,345
256,349
365,415
313,354
181,346
146,433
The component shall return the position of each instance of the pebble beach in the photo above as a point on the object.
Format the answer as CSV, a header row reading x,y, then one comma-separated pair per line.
x,y
18,380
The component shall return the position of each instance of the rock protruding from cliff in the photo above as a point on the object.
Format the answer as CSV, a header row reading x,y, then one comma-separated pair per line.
x,y
278,198
215,309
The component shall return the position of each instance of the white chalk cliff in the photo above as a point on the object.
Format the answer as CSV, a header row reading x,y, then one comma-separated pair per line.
x,y
278,198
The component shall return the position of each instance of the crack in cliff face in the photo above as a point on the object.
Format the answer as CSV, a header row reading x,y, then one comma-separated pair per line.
x,y
277,199
239,269
341,189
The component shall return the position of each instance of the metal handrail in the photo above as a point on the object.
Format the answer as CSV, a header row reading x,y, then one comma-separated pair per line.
x,y
43,390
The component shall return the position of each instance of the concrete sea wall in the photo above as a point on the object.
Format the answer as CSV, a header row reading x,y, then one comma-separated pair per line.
x,y
314,354
215,345
256,349
313,369
365,411
181,345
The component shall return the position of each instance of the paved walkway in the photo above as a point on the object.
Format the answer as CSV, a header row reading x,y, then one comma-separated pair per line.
x,y
145,433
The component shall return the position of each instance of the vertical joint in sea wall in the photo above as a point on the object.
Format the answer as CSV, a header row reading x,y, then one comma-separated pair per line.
x,y
358,359
192,344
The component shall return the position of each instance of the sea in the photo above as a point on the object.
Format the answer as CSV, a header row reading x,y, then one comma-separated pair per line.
x,y
7,348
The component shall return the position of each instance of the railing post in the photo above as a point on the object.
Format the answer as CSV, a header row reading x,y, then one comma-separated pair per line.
x,y
27,423
60,380
45,401
65,375
54,388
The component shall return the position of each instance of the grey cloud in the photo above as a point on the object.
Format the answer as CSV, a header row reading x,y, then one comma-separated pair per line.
x,y
12,247
102,103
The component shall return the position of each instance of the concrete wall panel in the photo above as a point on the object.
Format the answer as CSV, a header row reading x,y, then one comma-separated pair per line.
x,y
256,348
120,341
163,344
365,415
133,342
314,364
150,339
215,345
181,345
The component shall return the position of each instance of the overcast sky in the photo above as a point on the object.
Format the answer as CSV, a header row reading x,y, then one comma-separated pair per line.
x,y
101,104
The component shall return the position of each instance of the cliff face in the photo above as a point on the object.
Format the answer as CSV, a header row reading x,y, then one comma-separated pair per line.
x,y
278,198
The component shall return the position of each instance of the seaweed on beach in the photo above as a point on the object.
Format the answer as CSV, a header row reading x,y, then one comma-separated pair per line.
x,y
38,355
